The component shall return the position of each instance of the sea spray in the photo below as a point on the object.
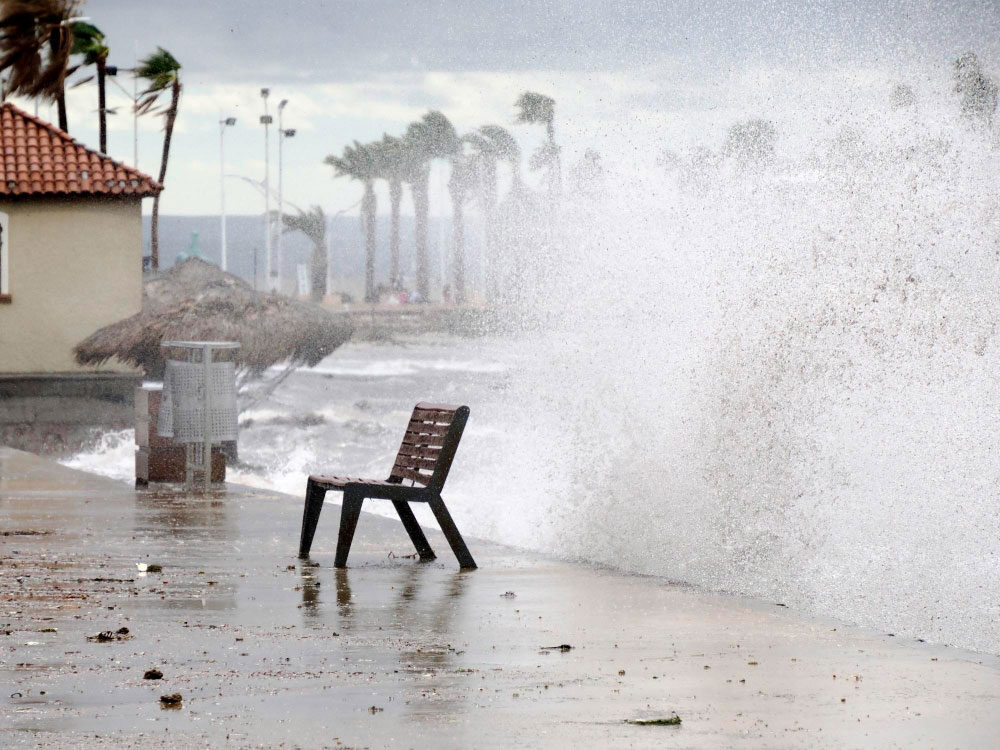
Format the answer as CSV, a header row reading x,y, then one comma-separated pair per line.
x,y
780,379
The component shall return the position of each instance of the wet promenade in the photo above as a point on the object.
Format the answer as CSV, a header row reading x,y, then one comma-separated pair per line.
x,y
269,651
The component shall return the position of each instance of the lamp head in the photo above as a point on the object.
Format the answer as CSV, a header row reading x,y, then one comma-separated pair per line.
x,y
282,103
229,121
264,93
289,133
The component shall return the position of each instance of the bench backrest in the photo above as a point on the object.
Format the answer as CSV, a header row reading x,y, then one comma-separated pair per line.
x,y
429,444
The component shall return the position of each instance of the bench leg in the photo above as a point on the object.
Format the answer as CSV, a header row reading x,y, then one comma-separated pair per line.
x,y
310,516
414,530
350,512
451,533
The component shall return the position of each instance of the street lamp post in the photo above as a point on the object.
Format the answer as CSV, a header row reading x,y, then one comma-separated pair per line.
x,y
265,120
282,135
223,124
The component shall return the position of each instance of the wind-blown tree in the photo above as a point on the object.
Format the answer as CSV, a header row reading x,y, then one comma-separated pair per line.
x,y
750,142
431,137
89,41
902,96
505,148
464,176
979,91
312,224
492,144
587,175
161,71
538,109
361,162
36,42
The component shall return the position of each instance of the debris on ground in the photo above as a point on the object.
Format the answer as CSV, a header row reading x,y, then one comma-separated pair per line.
x,y
174,699
564,647
153,674
672,721
149,568
374,710
508,595
122,634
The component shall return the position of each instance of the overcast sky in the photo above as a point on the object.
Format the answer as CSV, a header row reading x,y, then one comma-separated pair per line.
x,y
358,68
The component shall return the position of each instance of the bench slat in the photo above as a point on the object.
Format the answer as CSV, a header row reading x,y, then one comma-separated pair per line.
x,y
433,416
406,462
437,407
427,429
422,440
418,450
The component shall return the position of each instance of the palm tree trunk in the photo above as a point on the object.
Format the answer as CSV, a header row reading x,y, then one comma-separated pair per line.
x,y
421,210
458,217
55,43
154,241
318,271
102,104
395,196
61,106
489,198
368,209
555,168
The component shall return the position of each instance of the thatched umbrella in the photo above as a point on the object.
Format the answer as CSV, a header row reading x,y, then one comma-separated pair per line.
x,y
196,300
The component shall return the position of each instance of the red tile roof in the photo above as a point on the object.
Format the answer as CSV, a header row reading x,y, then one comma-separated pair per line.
x,y
37,158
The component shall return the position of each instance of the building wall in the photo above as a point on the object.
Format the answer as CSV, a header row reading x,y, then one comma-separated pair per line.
x,y
74,265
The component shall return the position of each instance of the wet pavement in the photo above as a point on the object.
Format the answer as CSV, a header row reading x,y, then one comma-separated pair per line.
x,y
266,650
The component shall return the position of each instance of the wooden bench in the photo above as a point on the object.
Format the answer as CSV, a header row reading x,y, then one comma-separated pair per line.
x,y
423,460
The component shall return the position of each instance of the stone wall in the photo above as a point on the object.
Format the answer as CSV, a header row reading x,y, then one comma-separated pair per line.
x,y
60,414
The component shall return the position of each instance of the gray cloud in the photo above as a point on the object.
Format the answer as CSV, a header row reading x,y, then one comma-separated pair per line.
x,y
314,41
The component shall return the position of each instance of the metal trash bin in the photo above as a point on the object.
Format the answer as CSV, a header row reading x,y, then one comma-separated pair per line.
x,y
199,407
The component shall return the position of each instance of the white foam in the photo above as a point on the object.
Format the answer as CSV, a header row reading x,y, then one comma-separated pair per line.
x,y
386,368
113,456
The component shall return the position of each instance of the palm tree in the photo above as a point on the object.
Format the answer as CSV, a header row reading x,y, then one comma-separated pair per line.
x,y
504,148
588,176
750,142
89,41
27,27
312,224
978,90
538,109
162,72
464,176
395,161
362,163
491,144
431,137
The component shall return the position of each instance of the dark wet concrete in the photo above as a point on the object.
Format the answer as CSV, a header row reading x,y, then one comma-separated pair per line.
x,y
268,651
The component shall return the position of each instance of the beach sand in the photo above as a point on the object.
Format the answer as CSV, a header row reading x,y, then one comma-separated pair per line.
x,y
268,650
